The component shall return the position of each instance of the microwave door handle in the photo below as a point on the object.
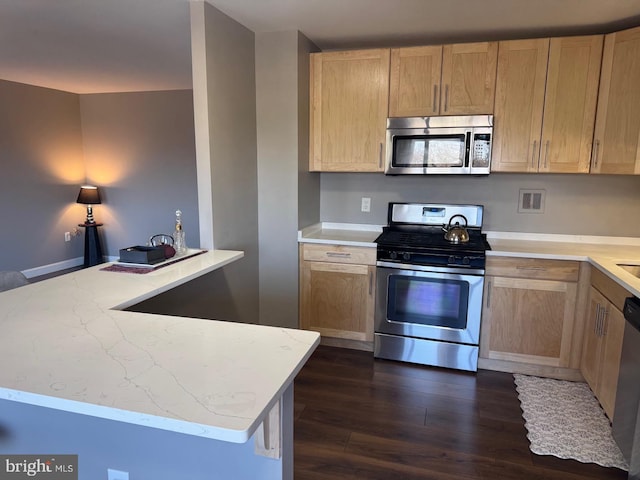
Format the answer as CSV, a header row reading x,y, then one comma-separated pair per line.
x,y
467,161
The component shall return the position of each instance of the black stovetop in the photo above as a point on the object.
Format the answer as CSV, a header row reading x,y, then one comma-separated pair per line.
x,y
422,245
425,238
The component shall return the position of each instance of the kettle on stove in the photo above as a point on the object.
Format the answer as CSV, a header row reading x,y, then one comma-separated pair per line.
x,y
456,233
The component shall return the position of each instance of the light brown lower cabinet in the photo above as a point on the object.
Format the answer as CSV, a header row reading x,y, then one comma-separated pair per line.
x,y
528,315
337,292
602,345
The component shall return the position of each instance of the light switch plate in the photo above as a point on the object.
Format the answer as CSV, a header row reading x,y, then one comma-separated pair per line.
x,y
366,204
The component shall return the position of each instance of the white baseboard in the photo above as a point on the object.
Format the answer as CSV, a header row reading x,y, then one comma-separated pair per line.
x,y
53,267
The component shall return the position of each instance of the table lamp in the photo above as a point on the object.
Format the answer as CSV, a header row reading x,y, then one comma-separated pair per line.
x,y
89,195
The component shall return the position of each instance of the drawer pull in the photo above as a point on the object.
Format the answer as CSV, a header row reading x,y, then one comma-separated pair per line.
x,y
338,254
537,269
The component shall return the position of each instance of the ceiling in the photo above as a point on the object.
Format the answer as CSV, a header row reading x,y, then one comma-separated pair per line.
x,y
97,46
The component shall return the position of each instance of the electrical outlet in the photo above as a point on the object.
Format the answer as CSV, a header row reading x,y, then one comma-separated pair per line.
x,y
366,204
117,474
67,236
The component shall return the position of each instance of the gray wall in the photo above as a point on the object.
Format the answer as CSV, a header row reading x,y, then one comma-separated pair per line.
x,y
286,192
225,126
308,183
575,204
140,149
42,169
282,101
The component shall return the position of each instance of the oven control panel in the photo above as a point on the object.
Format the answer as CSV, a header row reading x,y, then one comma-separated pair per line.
x,y
469,260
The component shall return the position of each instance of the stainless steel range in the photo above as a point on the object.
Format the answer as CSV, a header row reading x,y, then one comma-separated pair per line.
x,y
429,289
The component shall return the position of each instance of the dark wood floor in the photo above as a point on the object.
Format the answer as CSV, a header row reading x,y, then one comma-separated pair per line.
x,y
365,419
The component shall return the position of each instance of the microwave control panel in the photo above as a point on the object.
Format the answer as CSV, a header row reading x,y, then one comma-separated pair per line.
x,y
481,154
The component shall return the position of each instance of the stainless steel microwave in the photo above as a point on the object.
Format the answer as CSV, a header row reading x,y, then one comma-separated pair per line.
x,y
439,145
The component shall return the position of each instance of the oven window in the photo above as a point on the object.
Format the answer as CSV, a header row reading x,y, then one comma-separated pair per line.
x,y
428,301
429,151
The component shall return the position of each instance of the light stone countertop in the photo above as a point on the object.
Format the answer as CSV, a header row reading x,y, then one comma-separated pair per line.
x,y
66,345
354,235
604,253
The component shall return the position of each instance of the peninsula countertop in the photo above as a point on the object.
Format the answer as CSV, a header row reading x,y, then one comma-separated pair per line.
x,y
67,345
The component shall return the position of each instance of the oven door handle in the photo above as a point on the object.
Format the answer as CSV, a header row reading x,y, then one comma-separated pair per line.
x,y
425,268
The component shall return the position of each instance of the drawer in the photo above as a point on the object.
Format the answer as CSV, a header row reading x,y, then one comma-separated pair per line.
x,y
315,252
615,293
564,270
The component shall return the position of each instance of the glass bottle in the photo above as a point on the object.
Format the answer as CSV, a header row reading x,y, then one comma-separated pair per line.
x,y
179,242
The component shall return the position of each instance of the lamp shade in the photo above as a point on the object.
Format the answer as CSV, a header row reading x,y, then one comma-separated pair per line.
x,y
89,195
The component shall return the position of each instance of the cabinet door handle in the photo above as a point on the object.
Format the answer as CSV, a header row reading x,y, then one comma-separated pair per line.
x,y
338,254
370,283
604,322
595,153
597,320
533,154
380,156
546,153
489,294
600,320
446,97
435,96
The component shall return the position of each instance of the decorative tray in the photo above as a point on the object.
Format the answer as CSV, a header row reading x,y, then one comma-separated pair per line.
x,y
191,252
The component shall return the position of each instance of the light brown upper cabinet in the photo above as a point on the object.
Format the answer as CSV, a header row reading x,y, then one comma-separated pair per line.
x,y
616,146
414,86
349,106
546,132
522,69
454,79
570,104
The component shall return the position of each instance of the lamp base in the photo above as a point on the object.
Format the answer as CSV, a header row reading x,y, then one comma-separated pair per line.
x,y
90,218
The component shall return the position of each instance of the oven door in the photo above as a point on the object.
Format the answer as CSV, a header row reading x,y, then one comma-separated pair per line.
x,y
412,301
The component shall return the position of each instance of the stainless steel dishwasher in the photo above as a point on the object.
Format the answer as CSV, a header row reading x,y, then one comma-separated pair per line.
x,y
626,425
